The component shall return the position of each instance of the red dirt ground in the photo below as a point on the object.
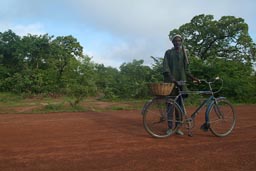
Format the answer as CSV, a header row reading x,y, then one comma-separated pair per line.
x,y
117,141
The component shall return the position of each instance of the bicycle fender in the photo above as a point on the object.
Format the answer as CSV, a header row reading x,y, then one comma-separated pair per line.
x,y
145,106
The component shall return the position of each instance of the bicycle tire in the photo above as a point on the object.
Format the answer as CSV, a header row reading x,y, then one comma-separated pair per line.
x,y
222,117
155,119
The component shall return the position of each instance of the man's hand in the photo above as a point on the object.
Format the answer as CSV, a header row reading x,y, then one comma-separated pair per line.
x,y
174,81
196,80
179,83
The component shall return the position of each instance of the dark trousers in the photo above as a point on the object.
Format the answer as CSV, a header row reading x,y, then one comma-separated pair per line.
x,y
170,111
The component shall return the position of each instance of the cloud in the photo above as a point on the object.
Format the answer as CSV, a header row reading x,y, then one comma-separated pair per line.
x,y
117,31
127,18
143,26
34,29
150,17
23,30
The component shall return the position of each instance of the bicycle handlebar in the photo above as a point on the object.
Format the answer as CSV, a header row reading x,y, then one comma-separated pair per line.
x,y
209,83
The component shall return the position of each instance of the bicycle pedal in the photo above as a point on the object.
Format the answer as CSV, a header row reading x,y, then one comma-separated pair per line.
x,y
190,134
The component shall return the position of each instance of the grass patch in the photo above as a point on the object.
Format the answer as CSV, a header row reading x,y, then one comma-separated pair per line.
x,y
53,107
10,98
13,104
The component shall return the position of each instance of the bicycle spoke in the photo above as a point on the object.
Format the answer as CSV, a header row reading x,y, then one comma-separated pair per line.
x,y
156,118
222,118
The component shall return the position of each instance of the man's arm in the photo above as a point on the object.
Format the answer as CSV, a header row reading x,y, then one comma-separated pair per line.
x,y
166,69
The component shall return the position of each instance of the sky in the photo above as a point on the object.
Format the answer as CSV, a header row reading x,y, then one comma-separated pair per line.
x,y
114,32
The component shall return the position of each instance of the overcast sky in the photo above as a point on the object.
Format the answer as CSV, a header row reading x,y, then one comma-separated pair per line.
x,y
117,31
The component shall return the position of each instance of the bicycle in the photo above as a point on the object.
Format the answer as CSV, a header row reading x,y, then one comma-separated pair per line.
x,y
220,116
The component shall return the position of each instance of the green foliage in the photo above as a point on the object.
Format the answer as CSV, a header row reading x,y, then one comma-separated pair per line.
x,y
130,82
106,79
46,65
7,97
134,77
40,64
156,74
226,38
239,84
80,81
53,107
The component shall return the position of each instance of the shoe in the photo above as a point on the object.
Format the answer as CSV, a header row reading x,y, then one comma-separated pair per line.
x,y
179,132
204,127
169,131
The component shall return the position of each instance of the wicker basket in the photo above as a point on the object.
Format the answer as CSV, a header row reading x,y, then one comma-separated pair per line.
x,y
161,89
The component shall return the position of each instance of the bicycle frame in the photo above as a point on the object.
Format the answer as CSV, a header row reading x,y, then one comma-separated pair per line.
x,y
207,102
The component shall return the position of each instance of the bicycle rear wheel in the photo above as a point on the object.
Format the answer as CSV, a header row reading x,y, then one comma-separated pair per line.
x,y
157,120
222,117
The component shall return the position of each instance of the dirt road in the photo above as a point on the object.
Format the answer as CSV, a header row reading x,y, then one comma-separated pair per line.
x,y
117,141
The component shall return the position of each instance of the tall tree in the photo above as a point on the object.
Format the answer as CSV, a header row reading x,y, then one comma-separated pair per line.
x,y
10,59
65,49
35,50
226,38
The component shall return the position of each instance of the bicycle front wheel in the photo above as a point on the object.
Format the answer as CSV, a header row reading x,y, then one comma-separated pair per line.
x,y
222,117
161,117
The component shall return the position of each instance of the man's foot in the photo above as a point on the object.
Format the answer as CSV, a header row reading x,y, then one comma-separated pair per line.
x,y
179,132
204,127
169,131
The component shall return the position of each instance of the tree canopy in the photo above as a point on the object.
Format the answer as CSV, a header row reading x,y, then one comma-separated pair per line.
x,y
226,38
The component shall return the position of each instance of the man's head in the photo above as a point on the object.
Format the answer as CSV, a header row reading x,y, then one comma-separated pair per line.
x,y
176,40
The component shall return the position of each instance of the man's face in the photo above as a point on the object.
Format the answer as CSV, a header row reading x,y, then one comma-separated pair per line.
x,y
177,42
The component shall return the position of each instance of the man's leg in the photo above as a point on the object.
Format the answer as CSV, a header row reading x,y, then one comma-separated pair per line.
x,y
178,117
170,115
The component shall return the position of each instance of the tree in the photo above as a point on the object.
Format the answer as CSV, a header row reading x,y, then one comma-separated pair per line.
x,y
227,38
40,64
225,49
10,60
107,81
35,51
65,50
134,77
80,80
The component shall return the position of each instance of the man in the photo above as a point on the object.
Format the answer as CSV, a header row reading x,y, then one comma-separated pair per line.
x,y
175,69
